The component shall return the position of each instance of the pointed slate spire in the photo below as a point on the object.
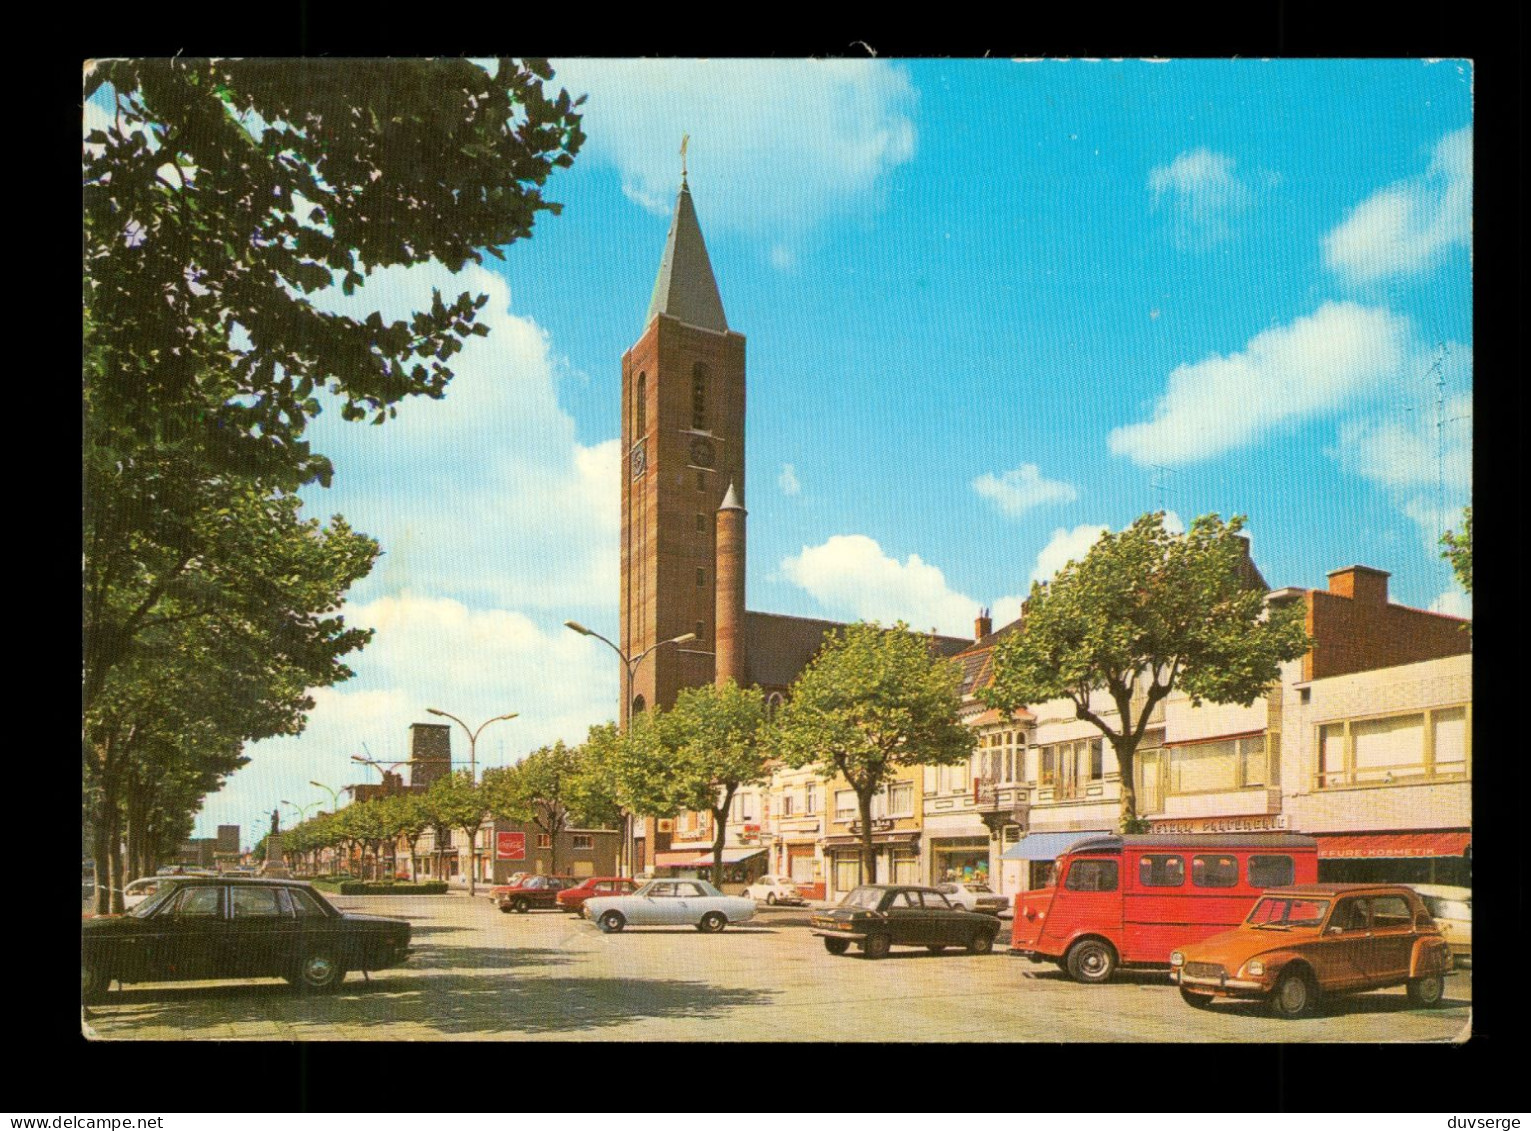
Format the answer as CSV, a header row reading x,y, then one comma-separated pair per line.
x,y
730,500
685,288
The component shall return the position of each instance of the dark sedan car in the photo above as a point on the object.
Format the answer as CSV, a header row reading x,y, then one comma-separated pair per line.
x,y
202,928
533,892
878,917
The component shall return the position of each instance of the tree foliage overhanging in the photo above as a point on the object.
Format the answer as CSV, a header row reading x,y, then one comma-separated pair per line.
x,y
225,202
1145,612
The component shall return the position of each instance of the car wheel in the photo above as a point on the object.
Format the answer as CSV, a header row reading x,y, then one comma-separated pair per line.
x,y
1428,991
1194,999
1091,961
1295,995
612,922
837,946
877,946
936,948
521,907
318,972
505,908
94,981
981,943
771,899
712,922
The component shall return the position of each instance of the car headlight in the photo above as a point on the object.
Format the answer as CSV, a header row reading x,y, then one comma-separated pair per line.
x,y
1255,968
1177,959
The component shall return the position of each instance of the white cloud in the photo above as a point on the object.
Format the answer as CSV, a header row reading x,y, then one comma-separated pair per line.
x,y
851,577
831,131
1018,491
787,480
1422,454
1204,193
1318,363
1065,546
1454,603
1406,228
430,652
485,495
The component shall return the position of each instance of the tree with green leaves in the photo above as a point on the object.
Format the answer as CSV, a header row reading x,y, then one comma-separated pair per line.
x,y
873,700
1459,551
1145,612
697,755
552,788
456,801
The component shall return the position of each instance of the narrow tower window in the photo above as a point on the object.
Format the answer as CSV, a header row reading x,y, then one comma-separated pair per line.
x,y
641,409
701,577
701,524
699,396
701,632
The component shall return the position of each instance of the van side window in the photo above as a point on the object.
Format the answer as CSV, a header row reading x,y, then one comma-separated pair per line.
x,y
1214,871
1092,875
1271,871
1161,872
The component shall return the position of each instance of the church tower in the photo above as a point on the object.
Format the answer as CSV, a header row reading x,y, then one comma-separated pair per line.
x,y
683,438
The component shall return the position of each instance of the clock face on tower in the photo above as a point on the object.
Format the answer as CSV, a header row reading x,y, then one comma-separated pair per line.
x,y
701,453
640,460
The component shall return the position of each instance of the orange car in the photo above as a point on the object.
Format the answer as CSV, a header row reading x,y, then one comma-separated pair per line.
x,y
1300,943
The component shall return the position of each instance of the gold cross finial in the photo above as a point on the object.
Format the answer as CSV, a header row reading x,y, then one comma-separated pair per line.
x,y
684,138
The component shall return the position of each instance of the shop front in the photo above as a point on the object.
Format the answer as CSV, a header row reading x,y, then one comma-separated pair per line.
x,y
742,866
1420,856
898,861
1029,863
959,859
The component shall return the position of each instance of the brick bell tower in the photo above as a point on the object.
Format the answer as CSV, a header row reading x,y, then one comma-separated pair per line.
x,y
683,439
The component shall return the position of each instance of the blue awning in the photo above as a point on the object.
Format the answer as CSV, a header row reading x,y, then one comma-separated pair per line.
x,y
1048,846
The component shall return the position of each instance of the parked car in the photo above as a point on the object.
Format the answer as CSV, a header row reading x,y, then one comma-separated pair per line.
x,y
878,917
774,890
498,890
573,899
1300,943
141,889
1452,910
669,903
1128,900
533,891
205,927
974,896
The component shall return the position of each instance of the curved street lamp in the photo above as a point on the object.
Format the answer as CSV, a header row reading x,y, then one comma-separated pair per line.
x,y
472,736
630,670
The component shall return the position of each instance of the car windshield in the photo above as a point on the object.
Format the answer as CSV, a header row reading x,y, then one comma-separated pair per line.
x,y
1444,908
1288,911
866,899
148,906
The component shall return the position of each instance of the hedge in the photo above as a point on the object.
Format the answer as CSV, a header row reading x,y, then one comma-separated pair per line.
x,y
387,887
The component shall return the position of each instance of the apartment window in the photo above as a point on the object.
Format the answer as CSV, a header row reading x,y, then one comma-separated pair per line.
x,y
1227,763
1422,744
786,805
810,797
699,396
701,481
744,806
1069,766
544,840
845,804
583,842
901,799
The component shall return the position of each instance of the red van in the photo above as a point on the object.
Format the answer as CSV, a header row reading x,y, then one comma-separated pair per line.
x,y
1132,899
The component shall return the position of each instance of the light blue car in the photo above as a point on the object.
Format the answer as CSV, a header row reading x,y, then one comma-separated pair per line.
x,y
670,903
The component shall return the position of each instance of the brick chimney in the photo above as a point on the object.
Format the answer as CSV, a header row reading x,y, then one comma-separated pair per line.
x,y
983,625
1362,584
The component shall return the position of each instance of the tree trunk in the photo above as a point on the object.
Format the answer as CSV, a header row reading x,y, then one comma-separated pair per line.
x,y
719,836
472,859
1126,760
868,849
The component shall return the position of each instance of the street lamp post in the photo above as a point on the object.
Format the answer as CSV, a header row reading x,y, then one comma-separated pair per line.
x,y
630,671
472,771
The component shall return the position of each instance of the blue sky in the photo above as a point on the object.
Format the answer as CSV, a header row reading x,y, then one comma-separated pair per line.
x,y
991,308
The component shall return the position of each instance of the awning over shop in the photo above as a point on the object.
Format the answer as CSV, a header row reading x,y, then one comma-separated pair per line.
x,y
1047,846
1356,846
693,859
877,838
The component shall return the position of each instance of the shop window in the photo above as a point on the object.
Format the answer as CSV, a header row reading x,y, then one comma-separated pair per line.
x,y
1161,871
1092,875
1214,871
1271,871
584,842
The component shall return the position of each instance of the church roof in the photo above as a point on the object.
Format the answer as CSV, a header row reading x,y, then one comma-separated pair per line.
x,y
685,288
780,646
731,500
